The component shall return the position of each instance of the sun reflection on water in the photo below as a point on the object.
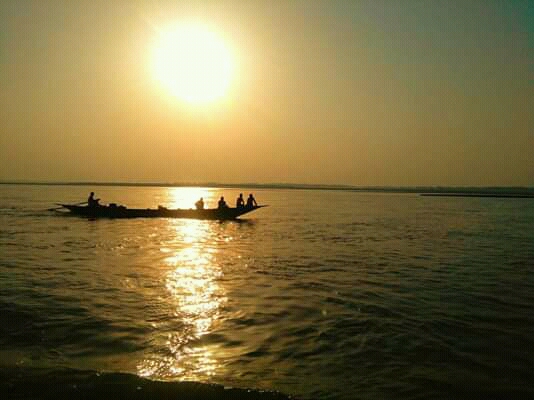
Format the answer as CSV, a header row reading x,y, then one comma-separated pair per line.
x,y
192,288
185,197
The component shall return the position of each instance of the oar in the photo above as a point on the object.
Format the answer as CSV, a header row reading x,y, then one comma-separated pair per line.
x,y
61,206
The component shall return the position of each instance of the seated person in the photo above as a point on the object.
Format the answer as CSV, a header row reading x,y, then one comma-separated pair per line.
x,y
91,201
222,203
240,203
200,204
251,201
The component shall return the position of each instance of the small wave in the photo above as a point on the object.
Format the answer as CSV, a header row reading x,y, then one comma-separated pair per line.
x,y
36,383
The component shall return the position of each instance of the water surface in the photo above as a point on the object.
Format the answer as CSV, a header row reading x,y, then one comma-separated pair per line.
x,y
323,294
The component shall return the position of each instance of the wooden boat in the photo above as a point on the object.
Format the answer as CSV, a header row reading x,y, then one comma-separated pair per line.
x,y
114,211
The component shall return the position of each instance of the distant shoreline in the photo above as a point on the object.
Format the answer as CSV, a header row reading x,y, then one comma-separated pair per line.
x,y
527,195
452,191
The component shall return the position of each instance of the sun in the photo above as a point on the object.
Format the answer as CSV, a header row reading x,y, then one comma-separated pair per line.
x,y
193,63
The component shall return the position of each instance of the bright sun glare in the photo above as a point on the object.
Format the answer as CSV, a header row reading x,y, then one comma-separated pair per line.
x,y
193,63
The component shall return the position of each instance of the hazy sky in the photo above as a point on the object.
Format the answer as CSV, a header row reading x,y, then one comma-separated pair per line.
x,y
374,92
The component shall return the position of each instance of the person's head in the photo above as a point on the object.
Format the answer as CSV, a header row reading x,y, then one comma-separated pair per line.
x,y
222,197
201,198
92,193
250,195
240,194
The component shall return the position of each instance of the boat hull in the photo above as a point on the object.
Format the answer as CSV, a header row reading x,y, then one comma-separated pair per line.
x,y
123,212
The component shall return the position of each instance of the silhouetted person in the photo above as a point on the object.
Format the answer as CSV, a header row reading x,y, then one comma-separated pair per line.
x,y
240,203
91,201
222,203
200,204
251,201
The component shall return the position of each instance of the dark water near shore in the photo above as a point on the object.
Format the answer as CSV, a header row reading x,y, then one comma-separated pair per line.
x,y
323,294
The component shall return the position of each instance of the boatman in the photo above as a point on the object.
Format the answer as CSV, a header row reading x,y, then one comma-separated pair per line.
x,y
200,204
222,203
91,201
251,201
240,203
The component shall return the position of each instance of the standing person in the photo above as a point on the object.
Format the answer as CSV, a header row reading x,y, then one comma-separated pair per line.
x,y
200,204
91,201
251,201
222,203
240,203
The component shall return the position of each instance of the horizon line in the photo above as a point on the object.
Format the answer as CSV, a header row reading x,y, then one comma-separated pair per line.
x,y
271,185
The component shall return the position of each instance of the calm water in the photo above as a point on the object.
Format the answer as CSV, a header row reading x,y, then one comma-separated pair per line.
x,y
324,294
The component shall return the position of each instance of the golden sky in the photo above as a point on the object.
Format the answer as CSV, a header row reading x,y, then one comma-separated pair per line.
x,y
376,92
